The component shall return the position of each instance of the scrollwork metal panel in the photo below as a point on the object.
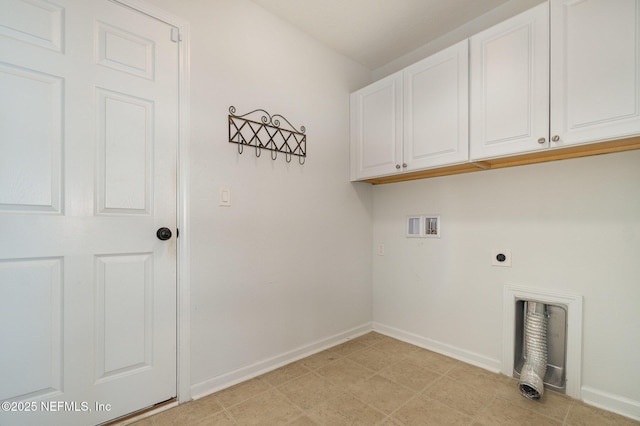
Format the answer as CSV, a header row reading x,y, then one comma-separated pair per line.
x,y
268,134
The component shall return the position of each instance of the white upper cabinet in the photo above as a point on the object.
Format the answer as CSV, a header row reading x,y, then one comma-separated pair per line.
x,y
414,119
376,128
585,88
564,73
510,86
595,70
436,109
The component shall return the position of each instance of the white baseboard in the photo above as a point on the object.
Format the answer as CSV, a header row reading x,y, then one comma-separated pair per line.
x,y
231,378
463,355
610,402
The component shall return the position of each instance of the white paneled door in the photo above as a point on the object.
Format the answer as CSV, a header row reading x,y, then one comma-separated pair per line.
x,y
88,142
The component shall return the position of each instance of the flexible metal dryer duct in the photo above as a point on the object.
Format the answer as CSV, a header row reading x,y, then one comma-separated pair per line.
x,y
535,336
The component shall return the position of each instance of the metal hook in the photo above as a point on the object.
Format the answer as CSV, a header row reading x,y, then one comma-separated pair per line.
x,y
266,133
302,160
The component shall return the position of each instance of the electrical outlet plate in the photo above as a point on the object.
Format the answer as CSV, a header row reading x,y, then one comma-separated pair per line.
x,y
501,257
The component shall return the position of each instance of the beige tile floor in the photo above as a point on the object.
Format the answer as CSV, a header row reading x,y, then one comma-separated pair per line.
x,y
377,380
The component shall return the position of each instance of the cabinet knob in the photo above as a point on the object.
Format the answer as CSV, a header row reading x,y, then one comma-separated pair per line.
x,y
404,165
542,140
398,166
555,138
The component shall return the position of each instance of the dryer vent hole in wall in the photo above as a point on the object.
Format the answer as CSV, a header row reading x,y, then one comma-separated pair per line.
x,y
535,337
540,347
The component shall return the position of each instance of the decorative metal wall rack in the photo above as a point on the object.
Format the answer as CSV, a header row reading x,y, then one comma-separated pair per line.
x,y
267,134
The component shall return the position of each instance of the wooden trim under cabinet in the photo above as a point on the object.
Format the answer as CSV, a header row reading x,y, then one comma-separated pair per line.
x,y
574,151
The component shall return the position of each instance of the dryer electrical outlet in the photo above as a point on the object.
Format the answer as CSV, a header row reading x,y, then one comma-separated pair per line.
x,y
501,257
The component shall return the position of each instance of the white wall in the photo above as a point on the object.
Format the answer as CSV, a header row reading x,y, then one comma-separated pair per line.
x,y
573,226
289,263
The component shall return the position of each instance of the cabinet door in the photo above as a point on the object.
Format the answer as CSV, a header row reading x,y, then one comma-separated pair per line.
x,y
376,128
595,76
510,86
436,109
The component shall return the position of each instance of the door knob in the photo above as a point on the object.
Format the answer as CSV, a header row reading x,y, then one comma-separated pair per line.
x,y
163,234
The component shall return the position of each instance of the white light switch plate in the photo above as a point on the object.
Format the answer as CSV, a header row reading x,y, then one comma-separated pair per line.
x,y
224,197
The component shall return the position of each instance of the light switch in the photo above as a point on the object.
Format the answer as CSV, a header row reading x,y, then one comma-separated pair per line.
x,y
224,197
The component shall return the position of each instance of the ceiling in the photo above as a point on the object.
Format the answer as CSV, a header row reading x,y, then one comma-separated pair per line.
x,y
375,32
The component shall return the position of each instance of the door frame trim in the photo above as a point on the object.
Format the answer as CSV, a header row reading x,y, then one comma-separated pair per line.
x,y
183,294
